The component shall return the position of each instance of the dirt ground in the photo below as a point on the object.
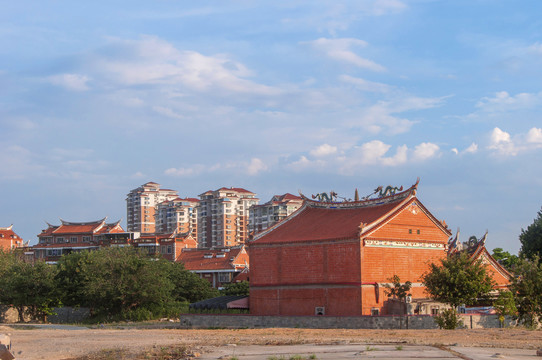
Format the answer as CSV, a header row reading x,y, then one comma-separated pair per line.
x,y
44,343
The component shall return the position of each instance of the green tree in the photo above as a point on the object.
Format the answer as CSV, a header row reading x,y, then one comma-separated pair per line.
x,y
505,305
505,258
527,289
531,239
29,287
189,287
397,289
458,280
123,283
237,288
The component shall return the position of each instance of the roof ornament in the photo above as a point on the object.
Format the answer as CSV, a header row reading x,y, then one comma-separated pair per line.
x,y
454,245
324,197
384,191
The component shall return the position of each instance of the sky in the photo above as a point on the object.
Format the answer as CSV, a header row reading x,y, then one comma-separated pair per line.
x,y
98,98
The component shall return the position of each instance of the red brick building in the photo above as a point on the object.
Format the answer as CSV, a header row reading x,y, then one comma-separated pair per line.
x,y
219,266
333,258
9,240
169,246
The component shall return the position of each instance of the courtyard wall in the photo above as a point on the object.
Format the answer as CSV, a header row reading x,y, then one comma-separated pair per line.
x,y
332,322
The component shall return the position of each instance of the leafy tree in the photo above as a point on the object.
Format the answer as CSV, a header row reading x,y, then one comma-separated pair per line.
x,y
237,288
29,286
189,287
505,258
458,280
505,305
531,239
397,289
527,289
123,283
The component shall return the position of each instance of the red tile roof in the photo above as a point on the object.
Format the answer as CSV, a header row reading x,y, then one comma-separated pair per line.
x,y
206,259
317,221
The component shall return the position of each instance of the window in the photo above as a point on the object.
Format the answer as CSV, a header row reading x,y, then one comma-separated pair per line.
x,y
169,249
418,231
86,238
434,310
410,231
224,277
375,312
59,240
73,239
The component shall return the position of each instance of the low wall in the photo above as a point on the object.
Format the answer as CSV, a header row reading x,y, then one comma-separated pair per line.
x,y
331,322
68,315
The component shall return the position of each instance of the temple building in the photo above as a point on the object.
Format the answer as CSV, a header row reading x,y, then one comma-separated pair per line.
x,y
9,240
58,240
334,258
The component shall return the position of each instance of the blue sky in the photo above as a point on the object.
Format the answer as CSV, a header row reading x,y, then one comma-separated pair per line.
x,y
97,98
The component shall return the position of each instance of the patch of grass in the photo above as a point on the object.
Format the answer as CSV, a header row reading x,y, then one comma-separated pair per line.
x,y
399,347
234,358
162,353
370,348
313,356
276,357
297,357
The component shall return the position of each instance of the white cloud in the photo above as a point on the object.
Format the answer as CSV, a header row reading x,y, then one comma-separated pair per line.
x,y
323,150
501,141
73,82
256,166
425,151
365,85
381,7
339,49
536,48
534,136
185,171
153,61
473,148
504,102
167,112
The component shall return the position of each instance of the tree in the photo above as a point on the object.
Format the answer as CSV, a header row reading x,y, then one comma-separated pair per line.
x,y
397,289
123,283
505,305
527,289
531,239
29,287
237,288
505,258
458,280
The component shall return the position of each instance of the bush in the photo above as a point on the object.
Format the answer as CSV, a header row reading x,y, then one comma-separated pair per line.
x,y
449,319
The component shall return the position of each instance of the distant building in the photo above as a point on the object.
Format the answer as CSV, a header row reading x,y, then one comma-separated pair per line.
x,y
141,206
177,215
334,258
278,208
219,266
9,240
68,237
223,217
169,246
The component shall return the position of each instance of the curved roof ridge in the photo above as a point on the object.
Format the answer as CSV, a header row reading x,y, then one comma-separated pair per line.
x,y
83,223
411,191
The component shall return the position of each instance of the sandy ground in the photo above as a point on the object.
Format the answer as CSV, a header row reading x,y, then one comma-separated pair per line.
x,y
46,343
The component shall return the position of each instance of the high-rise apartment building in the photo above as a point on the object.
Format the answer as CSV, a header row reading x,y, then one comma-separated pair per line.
x,y
177,215
223,217
141,206
278,208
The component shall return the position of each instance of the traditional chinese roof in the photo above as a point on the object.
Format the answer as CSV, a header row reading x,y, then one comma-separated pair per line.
x,y
320,220
479,251
7,233
227,259
92,227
